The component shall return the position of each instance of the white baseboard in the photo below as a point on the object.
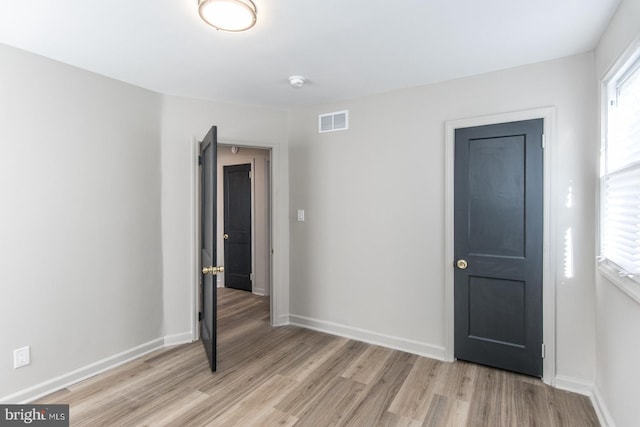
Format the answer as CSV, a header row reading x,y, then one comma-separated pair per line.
x,y
604,416
282,320
574,385
175,339
396,343
260,291
35,392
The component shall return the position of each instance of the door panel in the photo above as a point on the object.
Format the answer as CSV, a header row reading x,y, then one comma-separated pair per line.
x,y
208,210
498,232
491,160
237,227
504,323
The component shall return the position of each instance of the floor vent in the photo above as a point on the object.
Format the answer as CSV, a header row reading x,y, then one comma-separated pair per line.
x,y
330,122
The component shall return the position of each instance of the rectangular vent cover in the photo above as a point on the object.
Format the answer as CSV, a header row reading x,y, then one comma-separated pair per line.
x,y
330,122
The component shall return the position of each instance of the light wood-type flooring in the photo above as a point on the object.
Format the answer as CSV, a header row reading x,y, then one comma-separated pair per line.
x,y
290,376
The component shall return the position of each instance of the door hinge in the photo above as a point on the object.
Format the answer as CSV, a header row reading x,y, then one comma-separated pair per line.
x,y
544,351
199,160
250,175
544,140
251,276
199,316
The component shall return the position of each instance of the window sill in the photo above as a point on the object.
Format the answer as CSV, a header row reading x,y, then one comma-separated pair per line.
x,y
629,286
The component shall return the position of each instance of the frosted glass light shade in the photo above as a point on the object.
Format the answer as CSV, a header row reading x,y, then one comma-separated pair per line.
x,y
228,15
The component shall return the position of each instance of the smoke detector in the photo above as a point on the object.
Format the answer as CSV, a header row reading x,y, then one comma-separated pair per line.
x,y
296,81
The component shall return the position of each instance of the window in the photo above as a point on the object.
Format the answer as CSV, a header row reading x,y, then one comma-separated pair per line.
x,y
620,174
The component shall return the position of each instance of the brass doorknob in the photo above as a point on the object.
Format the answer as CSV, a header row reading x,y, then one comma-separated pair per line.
x,y
462,264
212,270
225,236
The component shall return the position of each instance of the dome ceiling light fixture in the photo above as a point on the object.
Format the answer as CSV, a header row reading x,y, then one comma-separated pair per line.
x,y
228,15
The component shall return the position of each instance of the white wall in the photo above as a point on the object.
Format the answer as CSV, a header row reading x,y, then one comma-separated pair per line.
x,y
617,314
81,275
368,261
259,161
186,120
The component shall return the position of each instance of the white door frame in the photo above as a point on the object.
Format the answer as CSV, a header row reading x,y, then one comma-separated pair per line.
x,y
279,279
549,228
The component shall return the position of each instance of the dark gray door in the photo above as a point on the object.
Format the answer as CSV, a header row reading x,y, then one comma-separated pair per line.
x,y
237,227
208,292
498,245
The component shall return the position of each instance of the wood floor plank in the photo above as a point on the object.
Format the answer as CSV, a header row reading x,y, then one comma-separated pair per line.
x,y
267,416
367,366
169,413
486,405
289,376
528,402
392,420
460,380
568,409
458,413
334,405
303,370
383,390
414,398
258,404
85,400
438,411
301,400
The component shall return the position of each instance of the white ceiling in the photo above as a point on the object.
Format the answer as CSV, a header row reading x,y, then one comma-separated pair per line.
x,y
345,48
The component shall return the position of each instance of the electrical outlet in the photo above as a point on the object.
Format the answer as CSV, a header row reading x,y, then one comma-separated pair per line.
x,y
21,357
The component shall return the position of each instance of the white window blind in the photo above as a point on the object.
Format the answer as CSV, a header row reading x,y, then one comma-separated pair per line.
x,y
620,223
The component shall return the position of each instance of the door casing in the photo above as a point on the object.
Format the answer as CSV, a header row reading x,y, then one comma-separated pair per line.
x,y
548,114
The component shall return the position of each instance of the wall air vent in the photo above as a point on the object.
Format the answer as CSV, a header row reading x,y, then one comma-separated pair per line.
x,y
330,122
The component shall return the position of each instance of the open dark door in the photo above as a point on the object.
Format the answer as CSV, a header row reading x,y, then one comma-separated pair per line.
x,y
208,212
498,245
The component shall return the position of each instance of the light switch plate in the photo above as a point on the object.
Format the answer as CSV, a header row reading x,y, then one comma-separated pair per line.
x,y
300,215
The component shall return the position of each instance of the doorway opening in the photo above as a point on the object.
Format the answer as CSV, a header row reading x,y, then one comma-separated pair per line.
x,y
277,289
243,218
549,255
